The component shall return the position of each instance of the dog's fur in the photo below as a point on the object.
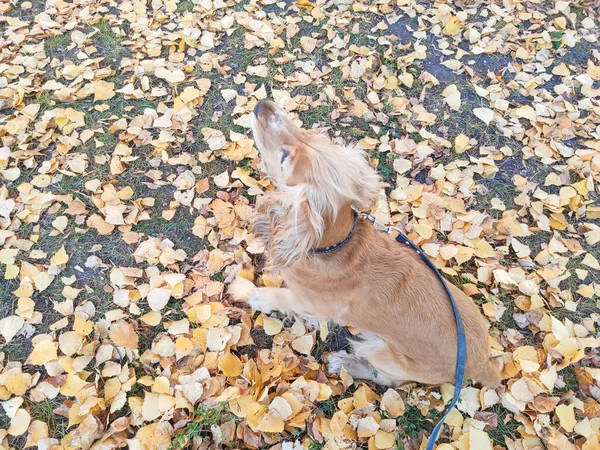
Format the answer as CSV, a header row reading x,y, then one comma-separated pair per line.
x,y
408,331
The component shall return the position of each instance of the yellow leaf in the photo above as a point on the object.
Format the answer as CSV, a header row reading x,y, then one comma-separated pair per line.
x,y
10,326
581,187
402,165
303,344
483,249
272,326
150,408
230,365
392,403
452,97
586,291
72,385
407,79
254,414
561,70
558,222
271,423
308,43
11,174
103,90
70,342
123,335
19,423
484,114
590,261
183,347
158,298
323,330
18,384
454,26
172,76
82,326
151,318
367,427
593,70
38,430
566,415
479,440
60,257
391,83
384,440
306,4
461,143
189,93
280,407
43,352
526,112
104,228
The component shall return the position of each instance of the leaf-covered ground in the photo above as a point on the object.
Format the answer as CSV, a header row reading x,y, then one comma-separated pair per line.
x,y
128,174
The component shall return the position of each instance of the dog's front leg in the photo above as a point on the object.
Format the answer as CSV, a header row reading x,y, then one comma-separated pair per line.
x,y
281,299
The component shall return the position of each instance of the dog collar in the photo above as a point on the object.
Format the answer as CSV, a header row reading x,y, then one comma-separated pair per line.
x,y
332,248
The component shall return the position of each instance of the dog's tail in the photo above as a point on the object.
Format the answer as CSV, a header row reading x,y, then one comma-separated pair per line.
x,y
490,375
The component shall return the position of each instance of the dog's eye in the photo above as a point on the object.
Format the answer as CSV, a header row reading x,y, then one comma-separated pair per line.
x,y
284,154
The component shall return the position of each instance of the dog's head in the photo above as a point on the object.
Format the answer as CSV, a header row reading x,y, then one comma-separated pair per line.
x,y
316,179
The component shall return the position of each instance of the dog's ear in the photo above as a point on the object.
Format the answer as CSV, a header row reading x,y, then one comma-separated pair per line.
x,y
293,165
361,178
294,229
286,156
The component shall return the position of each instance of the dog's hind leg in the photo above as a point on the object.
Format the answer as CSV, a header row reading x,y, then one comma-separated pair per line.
x,y
383,360
358,368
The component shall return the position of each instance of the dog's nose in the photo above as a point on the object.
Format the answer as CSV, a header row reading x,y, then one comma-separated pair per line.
x,y
257,108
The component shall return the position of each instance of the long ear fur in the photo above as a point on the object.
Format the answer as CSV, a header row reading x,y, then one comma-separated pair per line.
x,y
295,215
341,176
289,228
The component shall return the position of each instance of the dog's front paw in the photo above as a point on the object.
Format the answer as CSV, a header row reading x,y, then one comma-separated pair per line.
x,y
254,300
241,288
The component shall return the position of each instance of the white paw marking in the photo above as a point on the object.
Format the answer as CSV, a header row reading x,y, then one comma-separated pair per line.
x,y
256,304
336,360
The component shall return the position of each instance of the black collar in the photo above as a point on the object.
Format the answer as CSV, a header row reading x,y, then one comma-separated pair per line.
x,y
332,248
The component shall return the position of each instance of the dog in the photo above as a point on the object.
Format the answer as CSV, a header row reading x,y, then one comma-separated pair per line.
x,y
407,326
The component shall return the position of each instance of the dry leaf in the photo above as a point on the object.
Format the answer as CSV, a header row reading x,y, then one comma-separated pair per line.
x,y
124,335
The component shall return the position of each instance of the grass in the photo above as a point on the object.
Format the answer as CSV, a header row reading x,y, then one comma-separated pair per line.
x,y
412,422
336,340
44,411
385,166
185,6
56,45
327,407
108,43
177,230
497,187
317,115
314,445
45,100
17,350
241,57
503,430
200,425
569,378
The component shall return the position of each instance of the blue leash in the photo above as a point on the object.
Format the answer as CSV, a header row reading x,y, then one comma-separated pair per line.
x,y
461,358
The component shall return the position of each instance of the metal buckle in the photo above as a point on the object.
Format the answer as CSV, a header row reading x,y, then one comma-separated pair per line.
x,y
378,225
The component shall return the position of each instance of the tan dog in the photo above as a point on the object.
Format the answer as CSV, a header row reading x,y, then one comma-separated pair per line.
x,y
381,287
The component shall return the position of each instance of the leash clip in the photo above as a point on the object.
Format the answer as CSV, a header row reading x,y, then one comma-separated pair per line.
x,y
377,224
